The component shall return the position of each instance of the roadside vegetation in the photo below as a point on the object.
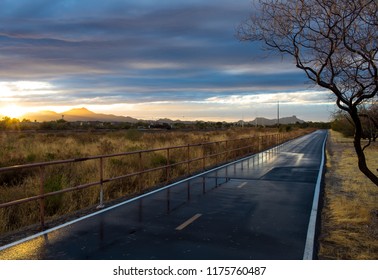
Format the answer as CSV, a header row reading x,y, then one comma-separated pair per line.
x,y
19,147
14,124
349,227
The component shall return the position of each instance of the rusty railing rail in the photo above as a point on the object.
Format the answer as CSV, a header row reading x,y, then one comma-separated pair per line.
x,y
234,149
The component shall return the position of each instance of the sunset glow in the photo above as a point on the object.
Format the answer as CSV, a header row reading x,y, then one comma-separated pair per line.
x,y
115,60
13,111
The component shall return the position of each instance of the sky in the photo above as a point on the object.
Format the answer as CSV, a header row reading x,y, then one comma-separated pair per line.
x,y
148,59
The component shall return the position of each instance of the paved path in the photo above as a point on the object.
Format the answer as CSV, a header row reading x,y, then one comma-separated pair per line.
x,y
258,208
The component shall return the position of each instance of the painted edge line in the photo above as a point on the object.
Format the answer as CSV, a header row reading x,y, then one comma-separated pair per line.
x,y
188,222
15,243
310,238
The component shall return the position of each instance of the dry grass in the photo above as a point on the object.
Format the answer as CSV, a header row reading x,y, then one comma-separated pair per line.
x,y
350,214
22,148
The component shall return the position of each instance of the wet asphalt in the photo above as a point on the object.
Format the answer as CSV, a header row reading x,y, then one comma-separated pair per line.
x,y
258,208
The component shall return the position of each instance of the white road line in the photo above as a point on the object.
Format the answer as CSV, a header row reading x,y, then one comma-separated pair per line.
x,y
310,238
188,222
242,185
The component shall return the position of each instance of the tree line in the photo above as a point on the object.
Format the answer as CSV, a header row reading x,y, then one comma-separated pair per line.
x,y
369,119
14,124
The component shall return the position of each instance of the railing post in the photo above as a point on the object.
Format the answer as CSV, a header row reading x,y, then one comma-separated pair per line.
x,y
259,144
227,173
168,169
188,159
101,205
140,170
263,143
270,145
227,154
217,153
42,199
234,168
203,157
276,139
234,152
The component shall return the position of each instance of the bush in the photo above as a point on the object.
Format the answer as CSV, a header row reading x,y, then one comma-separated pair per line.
x,y
52,184
343,126
106,147
158,160
133,135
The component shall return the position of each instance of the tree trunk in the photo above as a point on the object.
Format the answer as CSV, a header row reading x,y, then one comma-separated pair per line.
x,y
358,148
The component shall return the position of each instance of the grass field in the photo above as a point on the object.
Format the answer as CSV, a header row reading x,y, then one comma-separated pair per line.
x,y
350,214
24,148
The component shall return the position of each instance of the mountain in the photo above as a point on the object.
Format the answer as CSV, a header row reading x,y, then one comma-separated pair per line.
x,y
270,122
83,114
42,116
166,120
77,114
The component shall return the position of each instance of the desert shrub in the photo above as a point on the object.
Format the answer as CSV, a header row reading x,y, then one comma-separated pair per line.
x,y
106,147
31,157
85,138
157,160
133,135
14,178
14,217
53,183
343,126
49,156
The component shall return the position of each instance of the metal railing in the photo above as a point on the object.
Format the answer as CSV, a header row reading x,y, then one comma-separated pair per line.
x,y
193,158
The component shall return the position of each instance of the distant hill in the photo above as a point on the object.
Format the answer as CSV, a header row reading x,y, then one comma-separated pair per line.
x,y
269,122
165,120
83,114
77,114
42,116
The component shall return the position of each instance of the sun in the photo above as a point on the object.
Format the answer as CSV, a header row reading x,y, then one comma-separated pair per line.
x,y
12,111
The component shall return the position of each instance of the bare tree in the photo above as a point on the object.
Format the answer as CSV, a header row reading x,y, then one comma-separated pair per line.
x,y
369,119
333,41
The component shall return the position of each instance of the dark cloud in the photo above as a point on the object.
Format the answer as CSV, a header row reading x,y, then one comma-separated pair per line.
x,y
136,51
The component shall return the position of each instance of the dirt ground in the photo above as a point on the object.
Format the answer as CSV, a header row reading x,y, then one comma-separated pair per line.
x,y
349,220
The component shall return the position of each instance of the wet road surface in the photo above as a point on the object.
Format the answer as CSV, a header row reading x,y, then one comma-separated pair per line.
x,y
257,208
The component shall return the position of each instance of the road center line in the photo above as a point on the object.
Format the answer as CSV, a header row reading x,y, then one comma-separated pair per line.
x,y
188,222
242,185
